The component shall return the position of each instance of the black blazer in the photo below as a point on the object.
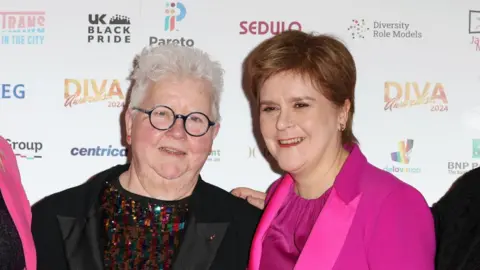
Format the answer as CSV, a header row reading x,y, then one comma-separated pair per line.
x,y
457,225
66,227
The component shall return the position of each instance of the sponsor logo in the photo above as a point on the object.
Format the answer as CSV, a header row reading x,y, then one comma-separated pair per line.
x,y
83,91
99,151
175,13
461,167
266,28
108,29
361,29
358,29
255,152
214,156
474,28
402,157
12,91
476,148
413,94
29,150
22,28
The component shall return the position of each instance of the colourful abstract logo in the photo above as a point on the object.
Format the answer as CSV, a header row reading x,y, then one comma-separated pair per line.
x,y
404,151
174,12
358,28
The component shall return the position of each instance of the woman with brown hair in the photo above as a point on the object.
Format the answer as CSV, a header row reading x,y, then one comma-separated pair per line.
x,y
332,209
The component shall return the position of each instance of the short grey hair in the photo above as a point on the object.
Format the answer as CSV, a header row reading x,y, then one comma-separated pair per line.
x,y
155,62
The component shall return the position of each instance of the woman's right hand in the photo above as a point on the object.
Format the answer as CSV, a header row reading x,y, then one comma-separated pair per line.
x,y
254,197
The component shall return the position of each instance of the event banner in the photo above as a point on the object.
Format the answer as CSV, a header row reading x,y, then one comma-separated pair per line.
x,y
65,67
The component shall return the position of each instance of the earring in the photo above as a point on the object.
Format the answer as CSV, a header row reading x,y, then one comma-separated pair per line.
x,y
342,127
129,138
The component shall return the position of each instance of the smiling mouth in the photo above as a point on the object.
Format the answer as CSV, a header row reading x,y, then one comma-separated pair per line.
x,y
172,151
291,142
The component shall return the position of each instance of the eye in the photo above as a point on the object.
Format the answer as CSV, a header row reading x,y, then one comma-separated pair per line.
x,y
196,119
162,114
268,109
301,105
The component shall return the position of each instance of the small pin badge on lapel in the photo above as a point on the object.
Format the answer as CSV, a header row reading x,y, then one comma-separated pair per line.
x,y
211,237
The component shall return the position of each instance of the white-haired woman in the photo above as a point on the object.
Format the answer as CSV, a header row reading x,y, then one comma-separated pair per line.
x,y
156,212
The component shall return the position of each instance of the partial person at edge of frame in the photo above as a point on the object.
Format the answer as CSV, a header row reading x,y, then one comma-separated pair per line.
x,y
17,249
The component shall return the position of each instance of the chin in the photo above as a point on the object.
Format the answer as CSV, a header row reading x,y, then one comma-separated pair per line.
x,y
290,165
170,172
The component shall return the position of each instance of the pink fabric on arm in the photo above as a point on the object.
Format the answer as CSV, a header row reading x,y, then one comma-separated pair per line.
x,y
404,238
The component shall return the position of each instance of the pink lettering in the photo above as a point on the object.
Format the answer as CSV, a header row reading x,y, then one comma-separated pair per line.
x,y
264,27
22,20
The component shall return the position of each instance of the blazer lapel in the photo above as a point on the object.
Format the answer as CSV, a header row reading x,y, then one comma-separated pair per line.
x,y
328,234
330,231
269,214
81,231
82,240
207,225
331,227
200,244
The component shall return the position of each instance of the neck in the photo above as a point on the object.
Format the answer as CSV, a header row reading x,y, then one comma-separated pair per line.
x,y
154,186
312,183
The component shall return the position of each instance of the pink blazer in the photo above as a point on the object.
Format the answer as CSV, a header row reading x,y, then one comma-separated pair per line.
x,y
17,202
371,221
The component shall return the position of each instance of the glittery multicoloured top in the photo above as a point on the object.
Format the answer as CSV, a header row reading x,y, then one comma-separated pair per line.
x,y
140,232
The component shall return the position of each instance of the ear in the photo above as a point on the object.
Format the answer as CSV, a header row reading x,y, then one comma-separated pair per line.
x,y
344,112
216,129
129,114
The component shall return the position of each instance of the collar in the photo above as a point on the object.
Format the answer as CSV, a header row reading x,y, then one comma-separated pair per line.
x,y
348,181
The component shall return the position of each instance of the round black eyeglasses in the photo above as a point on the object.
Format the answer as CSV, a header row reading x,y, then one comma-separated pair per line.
x,y
163,118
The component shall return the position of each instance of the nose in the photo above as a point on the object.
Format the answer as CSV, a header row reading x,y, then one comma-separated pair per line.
x,y
177,131
284,120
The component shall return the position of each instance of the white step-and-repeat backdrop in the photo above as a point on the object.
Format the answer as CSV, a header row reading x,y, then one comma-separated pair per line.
x,y
64,68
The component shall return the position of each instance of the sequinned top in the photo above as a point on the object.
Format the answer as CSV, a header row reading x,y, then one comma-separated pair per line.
x,y
11,249
141,232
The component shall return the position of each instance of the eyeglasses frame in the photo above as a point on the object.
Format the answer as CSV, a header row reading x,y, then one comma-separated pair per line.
x,y
184,117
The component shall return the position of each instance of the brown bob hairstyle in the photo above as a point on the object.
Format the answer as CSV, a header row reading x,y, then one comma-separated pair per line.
x,y
322,59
